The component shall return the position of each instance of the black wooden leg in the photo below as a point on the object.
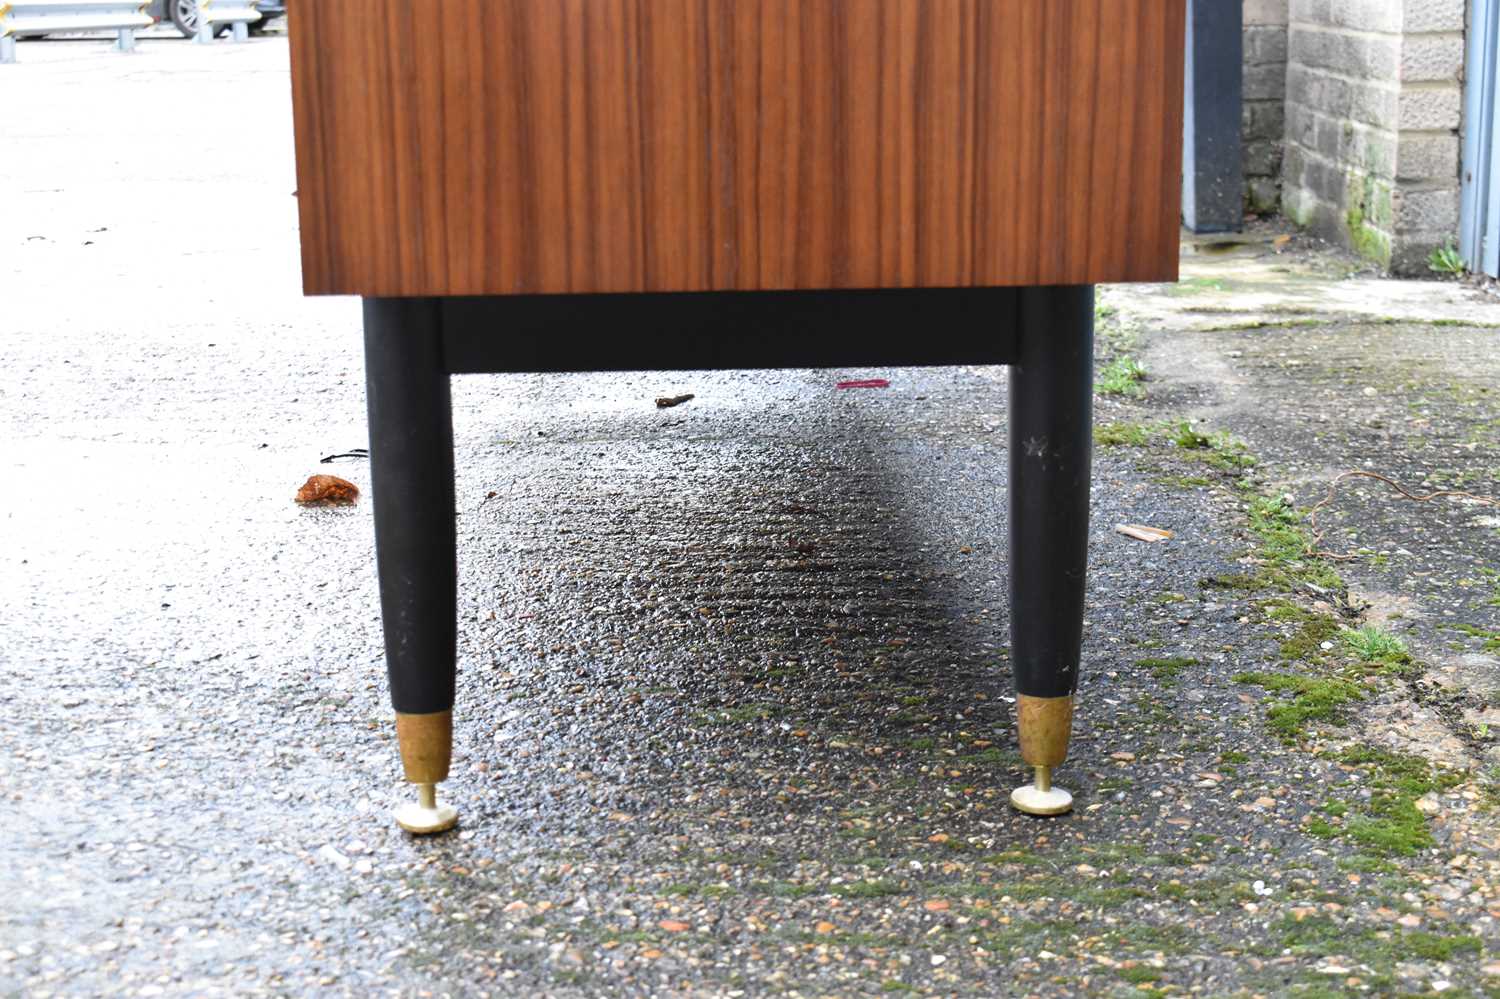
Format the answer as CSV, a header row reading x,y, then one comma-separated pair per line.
x,y
1051,445
411,468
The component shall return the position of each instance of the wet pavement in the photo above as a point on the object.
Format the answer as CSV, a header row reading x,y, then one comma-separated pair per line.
x,y
734,709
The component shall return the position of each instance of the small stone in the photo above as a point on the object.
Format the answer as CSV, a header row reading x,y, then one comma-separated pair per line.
x,y
1411,921
824,928
938,959
1123,757
330,855
1265,802
936,905
673,925
1428,804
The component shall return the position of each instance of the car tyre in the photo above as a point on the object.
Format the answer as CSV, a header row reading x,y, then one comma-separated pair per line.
x,y
184,15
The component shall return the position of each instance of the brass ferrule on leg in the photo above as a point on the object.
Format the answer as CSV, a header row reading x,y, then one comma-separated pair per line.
x,y
426,751
426,745
1046,725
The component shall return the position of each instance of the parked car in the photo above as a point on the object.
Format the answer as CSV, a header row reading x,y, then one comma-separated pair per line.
x,y
184,15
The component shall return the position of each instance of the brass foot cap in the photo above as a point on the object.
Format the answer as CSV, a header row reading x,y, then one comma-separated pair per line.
x,y
1034,801
416,818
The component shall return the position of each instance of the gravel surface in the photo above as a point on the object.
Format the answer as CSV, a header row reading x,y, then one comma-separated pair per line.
x,y
734,708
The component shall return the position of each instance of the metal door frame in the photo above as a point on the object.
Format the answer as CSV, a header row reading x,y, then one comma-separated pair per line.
x,y
1479,226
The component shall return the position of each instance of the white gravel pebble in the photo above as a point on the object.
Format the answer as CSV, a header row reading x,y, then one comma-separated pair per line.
x,y
328,853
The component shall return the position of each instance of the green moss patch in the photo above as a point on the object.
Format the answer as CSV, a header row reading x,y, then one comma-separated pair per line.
x,y
1491,638
1314,699
1434,947
1139,974
1285,545
865,889
1306,643
1219,451
1122,435
1166,670
1387,823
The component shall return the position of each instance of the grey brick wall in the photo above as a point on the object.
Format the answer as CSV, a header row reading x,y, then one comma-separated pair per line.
x,y
1265,102
1373,108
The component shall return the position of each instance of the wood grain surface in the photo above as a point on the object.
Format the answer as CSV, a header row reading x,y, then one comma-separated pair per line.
x,y
468,147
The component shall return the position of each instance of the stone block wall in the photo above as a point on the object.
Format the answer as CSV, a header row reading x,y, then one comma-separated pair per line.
x,y
1373,109
1264,122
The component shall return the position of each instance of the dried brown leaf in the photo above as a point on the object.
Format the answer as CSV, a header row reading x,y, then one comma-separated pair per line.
x,y
327,490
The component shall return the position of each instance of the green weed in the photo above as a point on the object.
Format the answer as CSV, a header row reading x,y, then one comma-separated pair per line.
x,y
1447,260
1122,376
1377,648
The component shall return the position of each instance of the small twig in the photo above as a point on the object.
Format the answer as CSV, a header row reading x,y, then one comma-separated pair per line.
x,y
1312,515
358,452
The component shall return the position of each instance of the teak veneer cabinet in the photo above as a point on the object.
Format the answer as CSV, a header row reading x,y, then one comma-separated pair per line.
x,y
733,183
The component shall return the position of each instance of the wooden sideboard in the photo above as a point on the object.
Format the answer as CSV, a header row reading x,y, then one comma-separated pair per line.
x,y
733,183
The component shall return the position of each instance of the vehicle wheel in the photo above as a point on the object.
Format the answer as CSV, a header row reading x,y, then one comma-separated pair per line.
x,y
184,14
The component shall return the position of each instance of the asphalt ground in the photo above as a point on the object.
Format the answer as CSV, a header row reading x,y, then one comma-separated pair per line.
x,y
734,708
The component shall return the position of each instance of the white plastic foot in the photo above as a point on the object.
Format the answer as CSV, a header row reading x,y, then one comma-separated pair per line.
x,y
1041,798
425,816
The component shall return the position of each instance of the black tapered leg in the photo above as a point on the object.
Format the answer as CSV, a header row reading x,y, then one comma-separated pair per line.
x,y
1051,450
411,469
